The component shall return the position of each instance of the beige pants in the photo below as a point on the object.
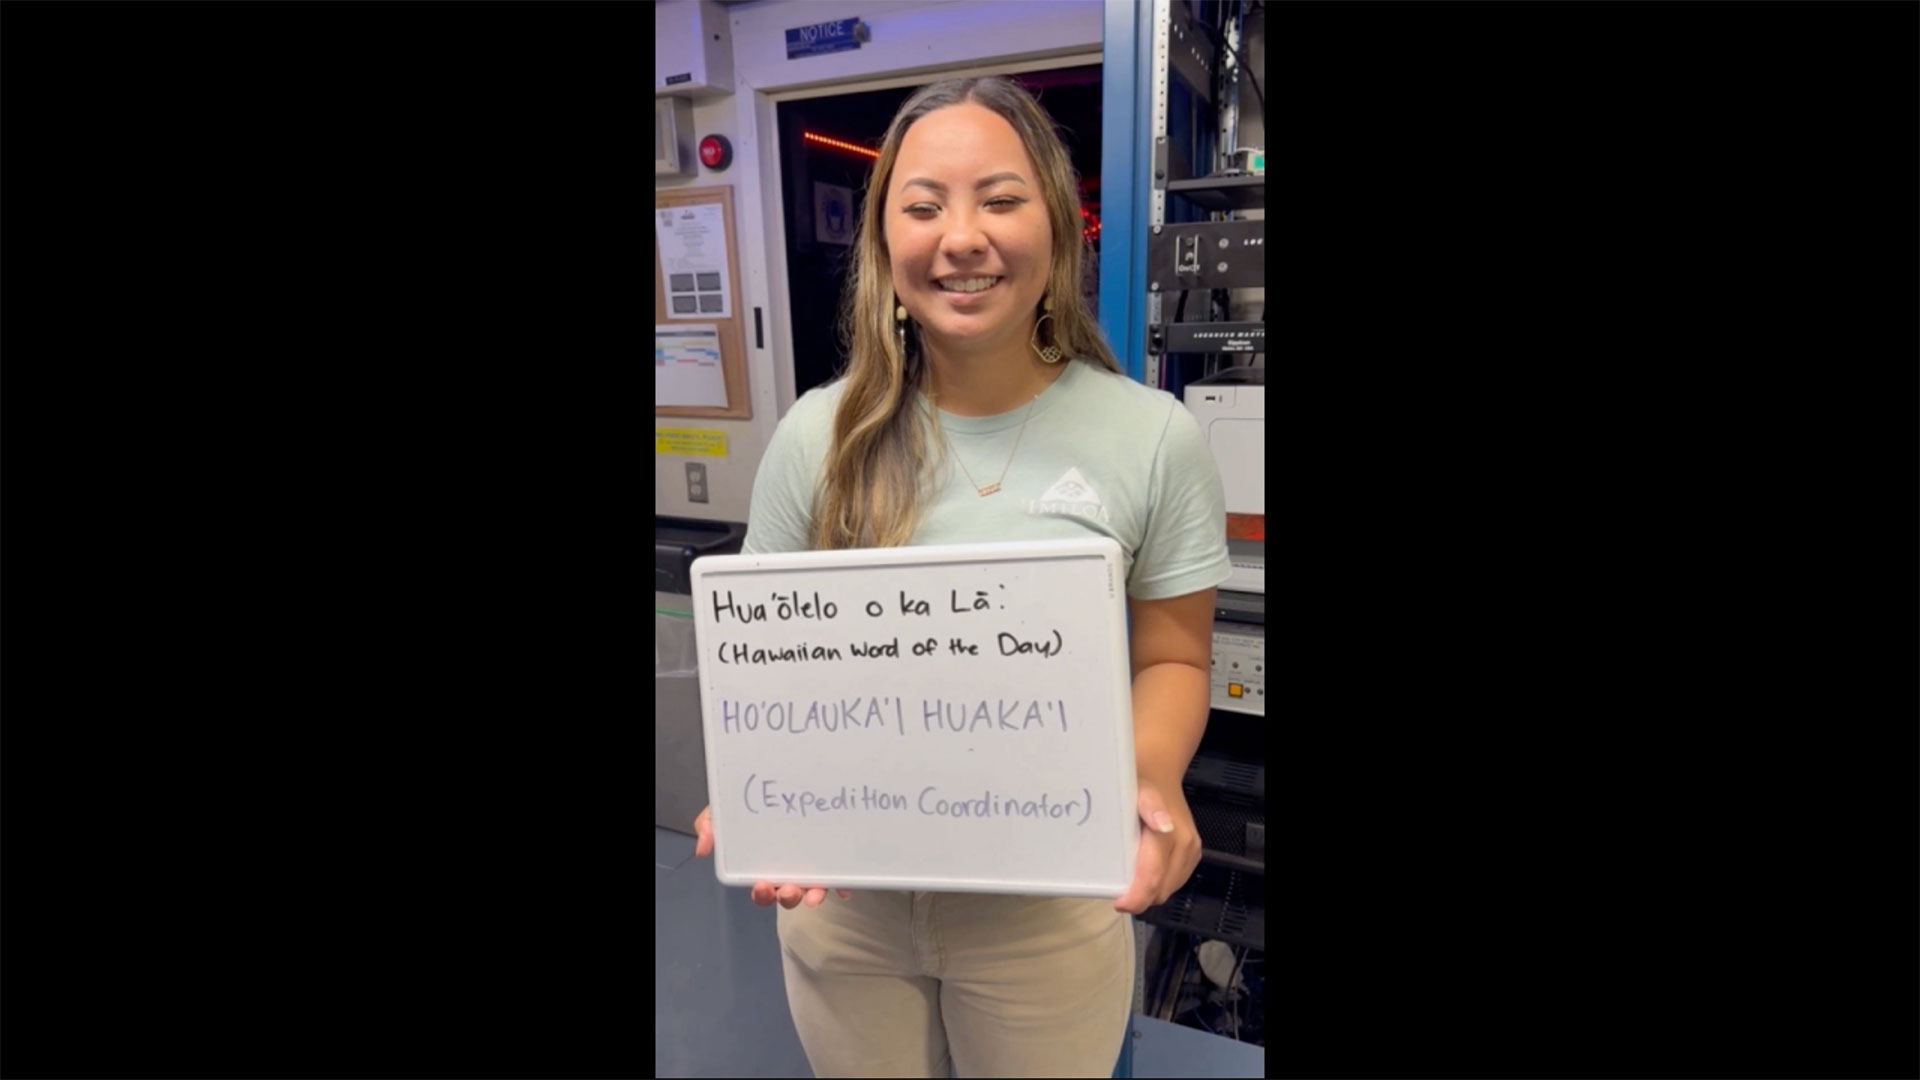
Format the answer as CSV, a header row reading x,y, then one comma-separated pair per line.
x,y
908,984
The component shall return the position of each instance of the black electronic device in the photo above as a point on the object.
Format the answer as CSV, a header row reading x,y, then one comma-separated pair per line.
x,y
1207,255
679,541
1205,337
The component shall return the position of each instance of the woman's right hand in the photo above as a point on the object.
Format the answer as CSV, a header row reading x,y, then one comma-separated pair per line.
x,y
764,892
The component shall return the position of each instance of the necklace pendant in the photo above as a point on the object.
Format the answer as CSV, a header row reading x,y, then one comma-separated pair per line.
x,y
989,489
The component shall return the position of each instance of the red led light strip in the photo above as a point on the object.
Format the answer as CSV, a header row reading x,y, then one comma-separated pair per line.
x,y
838,145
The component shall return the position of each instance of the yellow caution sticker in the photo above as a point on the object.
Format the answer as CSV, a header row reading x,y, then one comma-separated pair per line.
x,y
690,442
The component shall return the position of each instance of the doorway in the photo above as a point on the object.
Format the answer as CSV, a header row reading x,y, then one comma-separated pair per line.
x,y
827,149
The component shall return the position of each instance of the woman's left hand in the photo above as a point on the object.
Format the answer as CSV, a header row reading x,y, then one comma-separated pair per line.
x,y
1166,859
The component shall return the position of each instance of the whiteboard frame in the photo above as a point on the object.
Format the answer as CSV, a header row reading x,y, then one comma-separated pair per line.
x,y
1018,551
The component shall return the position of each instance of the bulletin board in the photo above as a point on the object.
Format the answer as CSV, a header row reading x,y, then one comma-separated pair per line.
x,y
729,326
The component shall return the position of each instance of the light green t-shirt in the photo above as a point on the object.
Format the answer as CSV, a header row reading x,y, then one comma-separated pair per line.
x,y
1101,454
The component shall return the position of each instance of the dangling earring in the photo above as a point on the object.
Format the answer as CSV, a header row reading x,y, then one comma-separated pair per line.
x,y
900,330
1048,354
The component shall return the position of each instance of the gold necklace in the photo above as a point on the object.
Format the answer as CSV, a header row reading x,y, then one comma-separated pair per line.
x,y
995,486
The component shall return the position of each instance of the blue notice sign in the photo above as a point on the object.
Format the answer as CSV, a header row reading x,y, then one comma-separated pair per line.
x,y
823,38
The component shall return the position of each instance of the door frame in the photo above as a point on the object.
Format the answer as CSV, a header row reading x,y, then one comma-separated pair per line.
x,y
760,124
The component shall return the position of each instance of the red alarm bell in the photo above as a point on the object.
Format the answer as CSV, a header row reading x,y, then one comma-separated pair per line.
x,y
715,152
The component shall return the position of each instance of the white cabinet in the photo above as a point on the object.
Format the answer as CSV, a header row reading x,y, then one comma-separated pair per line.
x,y
692,49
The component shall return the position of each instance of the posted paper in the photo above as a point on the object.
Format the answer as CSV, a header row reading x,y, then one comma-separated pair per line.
x,y
693,256
686,365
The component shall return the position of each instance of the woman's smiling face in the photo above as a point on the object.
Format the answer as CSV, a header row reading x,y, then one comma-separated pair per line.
x,y
964,210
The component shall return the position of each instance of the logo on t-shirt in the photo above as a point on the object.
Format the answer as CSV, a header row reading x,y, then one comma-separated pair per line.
x,y
1071,494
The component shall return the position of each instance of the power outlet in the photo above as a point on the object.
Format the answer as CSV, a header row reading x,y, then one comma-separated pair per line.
x,y
696,482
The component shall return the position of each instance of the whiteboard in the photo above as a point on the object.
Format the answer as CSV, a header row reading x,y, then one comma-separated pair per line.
x,y
953,718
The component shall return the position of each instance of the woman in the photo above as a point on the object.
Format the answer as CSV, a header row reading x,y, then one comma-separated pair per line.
x,y
980,403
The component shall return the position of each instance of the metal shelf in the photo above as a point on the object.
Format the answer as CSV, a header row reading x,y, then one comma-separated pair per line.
x,y
1222,821
1223,831
1211,775
1226,795
1221,193
1216,903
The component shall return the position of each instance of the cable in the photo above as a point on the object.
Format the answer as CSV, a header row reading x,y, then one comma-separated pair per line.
x,y
1221,37
1233,1003
1173,955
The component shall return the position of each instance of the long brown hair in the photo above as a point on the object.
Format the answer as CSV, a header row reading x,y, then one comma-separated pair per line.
x,y
879,458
